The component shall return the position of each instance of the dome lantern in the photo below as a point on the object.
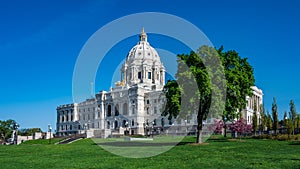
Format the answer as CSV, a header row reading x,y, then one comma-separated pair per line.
x,y
143,36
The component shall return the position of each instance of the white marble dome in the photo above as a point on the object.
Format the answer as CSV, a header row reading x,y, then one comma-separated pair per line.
x,y
143,66
143,51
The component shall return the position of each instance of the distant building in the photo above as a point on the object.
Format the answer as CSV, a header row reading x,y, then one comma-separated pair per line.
x,y
255,100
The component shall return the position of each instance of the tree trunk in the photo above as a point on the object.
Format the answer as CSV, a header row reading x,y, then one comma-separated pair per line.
x,y
225,131
199,129
199,136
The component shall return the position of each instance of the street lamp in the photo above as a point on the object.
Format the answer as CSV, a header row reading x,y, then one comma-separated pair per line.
x,y
185,121
50,132
126,125
85,128
15,140
152,128
224,126
3,138
145,128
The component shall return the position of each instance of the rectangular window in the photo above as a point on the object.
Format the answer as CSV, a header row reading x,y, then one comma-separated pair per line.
x,y
140,75
155,110
149,75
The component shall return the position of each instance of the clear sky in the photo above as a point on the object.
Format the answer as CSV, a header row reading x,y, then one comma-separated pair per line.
x,y
40,42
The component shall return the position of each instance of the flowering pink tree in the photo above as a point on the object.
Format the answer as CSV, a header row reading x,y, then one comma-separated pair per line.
x,y
217,127
241,127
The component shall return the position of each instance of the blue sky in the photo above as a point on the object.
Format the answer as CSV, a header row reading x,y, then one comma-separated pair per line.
x,y
40,42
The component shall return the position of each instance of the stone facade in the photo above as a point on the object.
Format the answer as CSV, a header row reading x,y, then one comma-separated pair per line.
x,y
253,103
67,119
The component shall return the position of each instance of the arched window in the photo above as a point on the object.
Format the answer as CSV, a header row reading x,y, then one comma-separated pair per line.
x,y
109,110
124,123
149,75
108,125
170,122
116,124
154,122
62,116
117,110
125,111
132,122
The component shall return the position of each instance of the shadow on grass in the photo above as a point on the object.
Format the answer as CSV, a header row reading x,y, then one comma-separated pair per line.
x,y
219,139
295,143
135,144
141,144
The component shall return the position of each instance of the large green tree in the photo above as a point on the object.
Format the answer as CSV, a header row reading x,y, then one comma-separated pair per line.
x,y
199,84
275,115
239,79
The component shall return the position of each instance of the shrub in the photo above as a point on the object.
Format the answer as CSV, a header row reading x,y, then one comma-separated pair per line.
x,y
280,137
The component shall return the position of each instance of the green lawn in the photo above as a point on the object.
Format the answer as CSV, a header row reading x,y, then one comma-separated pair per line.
x,y
218,153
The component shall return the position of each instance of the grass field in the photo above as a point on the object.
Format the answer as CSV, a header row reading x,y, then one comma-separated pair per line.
x,y
218,153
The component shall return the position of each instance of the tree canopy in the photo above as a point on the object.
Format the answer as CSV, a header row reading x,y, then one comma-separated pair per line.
x,y
239,79
199,84
275,115
29,131
293,115
6,128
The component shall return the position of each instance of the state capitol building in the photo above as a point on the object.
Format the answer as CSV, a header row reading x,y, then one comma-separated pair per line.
x,y
134,105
